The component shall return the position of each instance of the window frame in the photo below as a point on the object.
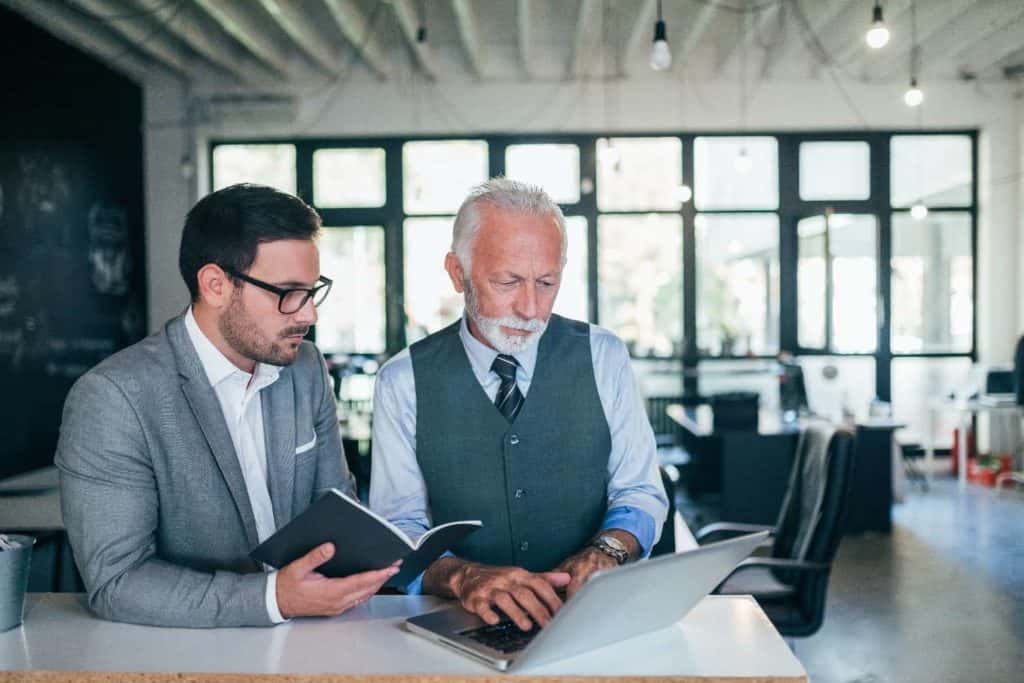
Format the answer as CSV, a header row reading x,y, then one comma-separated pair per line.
x,y
791,208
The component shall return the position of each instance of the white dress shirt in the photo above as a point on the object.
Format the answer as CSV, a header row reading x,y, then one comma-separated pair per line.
x,y
238,393
636,498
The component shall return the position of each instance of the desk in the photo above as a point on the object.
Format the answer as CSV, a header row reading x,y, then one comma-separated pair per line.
x,y
965,411
722,638
751,469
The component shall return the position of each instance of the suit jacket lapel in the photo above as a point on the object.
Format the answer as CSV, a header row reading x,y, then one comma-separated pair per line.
x,y
278,402
207,411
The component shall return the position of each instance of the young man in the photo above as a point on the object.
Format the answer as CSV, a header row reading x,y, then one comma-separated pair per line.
x,y
526,420
178,455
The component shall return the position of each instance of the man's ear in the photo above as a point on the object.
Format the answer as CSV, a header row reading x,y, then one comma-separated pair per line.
x,y
215,287
455,271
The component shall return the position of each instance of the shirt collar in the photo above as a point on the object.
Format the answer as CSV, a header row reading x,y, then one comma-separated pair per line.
x,y
217,366
481,356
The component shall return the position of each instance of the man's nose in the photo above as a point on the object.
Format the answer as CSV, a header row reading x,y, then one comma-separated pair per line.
x,y
526,301
306,315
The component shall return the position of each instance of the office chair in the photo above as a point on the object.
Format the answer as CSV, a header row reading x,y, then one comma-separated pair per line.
x,y
791,583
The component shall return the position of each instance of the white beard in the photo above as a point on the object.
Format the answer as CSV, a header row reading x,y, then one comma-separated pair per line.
x,y
490,328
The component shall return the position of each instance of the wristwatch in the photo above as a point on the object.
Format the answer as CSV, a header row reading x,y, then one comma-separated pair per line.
x,y
609,545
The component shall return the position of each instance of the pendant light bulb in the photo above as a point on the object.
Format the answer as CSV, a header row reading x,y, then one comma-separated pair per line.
x,y
877,36
914,95
919,211
743,162
661,56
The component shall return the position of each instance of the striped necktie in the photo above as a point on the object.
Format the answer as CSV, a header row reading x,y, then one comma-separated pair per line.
x,y
509,400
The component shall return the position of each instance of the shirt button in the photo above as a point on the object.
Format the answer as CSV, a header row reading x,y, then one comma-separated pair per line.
x,y
520,493
524,546
514,439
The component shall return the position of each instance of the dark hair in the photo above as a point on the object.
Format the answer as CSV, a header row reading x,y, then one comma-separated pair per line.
x,y
227,226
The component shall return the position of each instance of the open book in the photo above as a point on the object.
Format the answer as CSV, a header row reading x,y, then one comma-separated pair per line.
x,y
363,540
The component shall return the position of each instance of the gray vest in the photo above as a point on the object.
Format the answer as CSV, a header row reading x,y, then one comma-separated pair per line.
x,y
539,484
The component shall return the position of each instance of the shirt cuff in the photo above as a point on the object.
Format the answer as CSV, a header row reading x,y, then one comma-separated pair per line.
x,y
634,520
415,587
271,599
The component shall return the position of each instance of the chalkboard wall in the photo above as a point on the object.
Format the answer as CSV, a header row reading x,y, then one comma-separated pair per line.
x,y
72,280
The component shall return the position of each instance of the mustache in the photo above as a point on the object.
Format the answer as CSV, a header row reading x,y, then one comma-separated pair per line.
x,y
292,331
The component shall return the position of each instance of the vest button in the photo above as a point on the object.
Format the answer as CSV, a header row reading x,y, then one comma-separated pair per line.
x,y
524,546
520,493
514,439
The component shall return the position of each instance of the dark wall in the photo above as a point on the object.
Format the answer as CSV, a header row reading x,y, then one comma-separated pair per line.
x,y
72,280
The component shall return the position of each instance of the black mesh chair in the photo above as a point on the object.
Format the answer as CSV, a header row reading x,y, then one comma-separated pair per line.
x,y
790,584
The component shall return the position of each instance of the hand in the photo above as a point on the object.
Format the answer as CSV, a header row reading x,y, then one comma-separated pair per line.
x,y
304,592
582,565
525,597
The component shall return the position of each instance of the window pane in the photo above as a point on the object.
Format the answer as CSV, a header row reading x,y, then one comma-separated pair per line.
x,y
914,381
352,316
842,262
639,174
932,288
272,165
556,168
934,169
811,276
854,283
646,312
439,174
348,177
835,170
430,300
737,284
736,173
850,386
572,295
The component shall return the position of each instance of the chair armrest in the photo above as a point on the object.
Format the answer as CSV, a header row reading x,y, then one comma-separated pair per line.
x,y
727,530
782,563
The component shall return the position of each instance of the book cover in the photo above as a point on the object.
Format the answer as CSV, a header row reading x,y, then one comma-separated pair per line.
x,y
363,540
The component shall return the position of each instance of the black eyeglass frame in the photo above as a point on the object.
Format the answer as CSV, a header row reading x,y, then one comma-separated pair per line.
x,y
282,292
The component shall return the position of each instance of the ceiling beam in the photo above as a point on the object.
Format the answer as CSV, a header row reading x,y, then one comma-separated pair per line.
x,y
201,35
696,30
643,27
86,34
584,32
525,35
149,33
750,29
409,21
819,15
304,33
993,48
469,32
244,25
356,29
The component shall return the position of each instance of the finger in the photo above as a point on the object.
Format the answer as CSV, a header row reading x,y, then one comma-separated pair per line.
x,y
545,592
366,581
512,611
558,579
538,612
482,609
313,559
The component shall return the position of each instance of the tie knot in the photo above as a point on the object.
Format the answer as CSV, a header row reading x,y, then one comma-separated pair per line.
x,y
504,366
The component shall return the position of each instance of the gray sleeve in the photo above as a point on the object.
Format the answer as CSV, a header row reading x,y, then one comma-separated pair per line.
x,y
331,467
110,504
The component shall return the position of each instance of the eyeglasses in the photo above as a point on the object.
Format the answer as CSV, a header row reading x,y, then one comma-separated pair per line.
x,y
292,299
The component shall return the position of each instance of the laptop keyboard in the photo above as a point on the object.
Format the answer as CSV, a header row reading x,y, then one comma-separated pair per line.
x,y
504,636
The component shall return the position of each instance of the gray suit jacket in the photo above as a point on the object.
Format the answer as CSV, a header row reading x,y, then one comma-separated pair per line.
x,y
152,492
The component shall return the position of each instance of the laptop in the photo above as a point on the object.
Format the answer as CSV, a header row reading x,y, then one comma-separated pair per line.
x,y
613,605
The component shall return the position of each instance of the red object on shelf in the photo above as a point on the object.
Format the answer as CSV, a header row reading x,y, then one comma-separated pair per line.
x,y
972,448
986,476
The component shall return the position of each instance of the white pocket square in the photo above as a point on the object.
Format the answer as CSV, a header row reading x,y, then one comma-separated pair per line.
x,y
306,446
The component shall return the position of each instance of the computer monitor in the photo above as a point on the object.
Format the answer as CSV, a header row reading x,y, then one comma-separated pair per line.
x,y
1018,371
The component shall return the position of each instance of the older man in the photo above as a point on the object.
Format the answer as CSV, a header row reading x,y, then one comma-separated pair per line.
x,y
526,420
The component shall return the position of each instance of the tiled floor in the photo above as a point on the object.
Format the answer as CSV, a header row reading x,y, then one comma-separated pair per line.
x,y
941,598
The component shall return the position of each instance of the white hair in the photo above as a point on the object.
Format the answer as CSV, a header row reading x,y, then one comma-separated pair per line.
x,y
507,195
